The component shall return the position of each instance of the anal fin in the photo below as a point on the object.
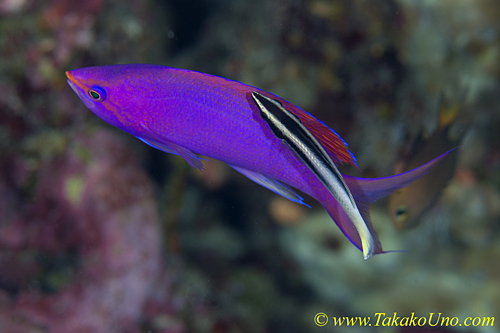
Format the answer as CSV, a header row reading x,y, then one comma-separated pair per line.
x,y
272,184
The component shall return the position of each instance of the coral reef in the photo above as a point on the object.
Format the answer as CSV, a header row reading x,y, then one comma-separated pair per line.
x,y
99,232
81,251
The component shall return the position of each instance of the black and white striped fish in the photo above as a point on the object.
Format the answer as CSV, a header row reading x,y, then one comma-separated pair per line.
x,y
288,127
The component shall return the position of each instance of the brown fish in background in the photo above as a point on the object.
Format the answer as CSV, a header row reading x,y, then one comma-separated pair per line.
x,y
408,204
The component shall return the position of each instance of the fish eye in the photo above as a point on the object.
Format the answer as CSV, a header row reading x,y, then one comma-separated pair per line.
x,y
401,213
97,94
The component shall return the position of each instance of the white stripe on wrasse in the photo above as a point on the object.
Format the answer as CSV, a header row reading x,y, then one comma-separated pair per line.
x,y
287,127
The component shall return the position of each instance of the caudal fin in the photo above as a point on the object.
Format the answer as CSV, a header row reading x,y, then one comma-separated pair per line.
x,y
368,190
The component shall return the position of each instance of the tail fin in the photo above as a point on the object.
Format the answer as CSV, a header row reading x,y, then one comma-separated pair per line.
x,y
368,190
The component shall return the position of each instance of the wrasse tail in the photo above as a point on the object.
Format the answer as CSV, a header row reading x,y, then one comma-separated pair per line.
x,y
366,191
291,131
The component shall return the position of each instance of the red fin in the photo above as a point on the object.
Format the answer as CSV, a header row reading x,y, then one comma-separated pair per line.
x,y
333,144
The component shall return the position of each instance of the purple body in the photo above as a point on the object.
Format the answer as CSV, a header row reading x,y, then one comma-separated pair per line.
x,y
187,112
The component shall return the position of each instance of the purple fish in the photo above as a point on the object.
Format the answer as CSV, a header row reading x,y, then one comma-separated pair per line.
x,y
269,140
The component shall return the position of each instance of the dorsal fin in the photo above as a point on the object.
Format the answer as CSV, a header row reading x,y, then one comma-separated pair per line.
x,y
333,144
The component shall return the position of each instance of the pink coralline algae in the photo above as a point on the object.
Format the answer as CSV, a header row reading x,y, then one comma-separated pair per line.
x,y
82,231
71,22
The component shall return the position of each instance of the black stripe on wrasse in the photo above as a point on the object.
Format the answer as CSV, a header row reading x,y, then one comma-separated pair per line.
x,y
265,104
288,127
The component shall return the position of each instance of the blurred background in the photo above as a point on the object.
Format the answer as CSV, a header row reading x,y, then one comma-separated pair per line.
x,y
102,233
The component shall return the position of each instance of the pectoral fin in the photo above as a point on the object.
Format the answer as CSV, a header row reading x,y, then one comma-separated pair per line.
x,y
172,148
159,146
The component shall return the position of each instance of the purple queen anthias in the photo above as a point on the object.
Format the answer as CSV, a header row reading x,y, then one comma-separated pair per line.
x,y
190,113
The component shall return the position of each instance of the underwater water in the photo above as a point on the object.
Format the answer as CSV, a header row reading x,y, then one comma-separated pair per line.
x,y
100,232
